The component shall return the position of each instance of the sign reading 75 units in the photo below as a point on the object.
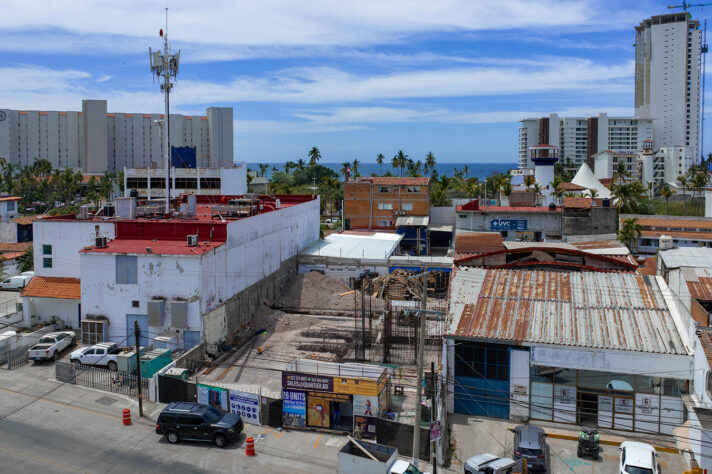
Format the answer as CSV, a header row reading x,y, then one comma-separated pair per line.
x,y
508,224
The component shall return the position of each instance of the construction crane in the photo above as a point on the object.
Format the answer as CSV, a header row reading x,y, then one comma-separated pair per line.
x,y
704,48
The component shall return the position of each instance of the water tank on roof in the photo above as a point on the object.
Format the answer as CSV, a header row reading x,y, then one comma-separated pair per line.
x,y
665,242
605,202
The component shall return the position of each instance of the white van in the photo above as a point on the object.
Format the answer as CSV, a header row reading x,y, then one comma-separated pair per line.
x,y
15,283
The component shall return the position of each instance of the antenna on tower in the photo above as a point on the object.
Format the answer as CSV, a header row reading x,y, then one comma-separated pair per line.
x,y
164,68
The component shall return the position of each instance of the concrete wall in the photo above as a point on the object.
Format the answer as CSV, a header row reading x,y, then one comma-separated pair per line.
x,y
545,221
8,231
225,321
66,238
41,310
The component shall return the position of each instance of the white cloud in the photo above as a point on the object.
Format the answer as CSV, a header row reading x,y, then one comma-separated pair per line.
x,y
84,26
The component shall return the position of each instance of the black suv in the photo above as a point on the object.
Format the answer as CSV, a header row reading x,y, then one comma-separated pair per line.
x,y
196,422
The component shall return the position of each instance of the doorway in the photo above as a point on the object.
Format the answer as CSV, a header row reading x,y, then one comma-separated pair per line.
x,y
587,409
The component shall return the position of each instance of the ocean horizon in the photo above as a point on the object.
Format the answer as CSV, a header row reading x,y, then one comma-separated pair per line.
x,y
479,170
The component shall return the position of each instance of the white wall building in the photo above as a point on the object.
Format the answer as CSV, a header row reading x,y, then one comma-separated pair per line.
x,y
150,273
580,137
150,182
660,167
667,78
94,141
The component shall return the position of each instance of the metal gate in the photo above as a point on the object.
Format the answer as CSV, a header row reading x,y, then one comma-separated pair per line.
x,y
124,383
17,357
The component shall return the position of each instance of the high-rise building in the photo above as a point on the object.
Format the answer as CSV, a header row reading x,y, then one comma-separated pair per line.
x,y
94,141
667,78
579,138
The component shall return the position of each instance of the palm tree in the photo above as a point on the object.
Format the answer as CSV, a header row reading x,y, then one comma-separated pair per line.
x,y
506,189
301,164
529,181
558,193
621,173
628,231
314,156
682,181
346,166
537,189
466,170
263,168
699,181
430,163
666,192
592,193
356,165
379,160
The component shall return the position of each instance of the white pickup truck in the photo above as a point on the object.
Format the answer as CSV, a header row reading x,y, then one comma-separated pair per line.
x,y
50,345
104,353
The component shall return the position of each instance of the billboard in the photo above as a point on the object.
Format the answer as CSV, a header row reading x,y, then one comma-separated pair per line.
x,y
214,396
293,380
508,224
247,405
294,409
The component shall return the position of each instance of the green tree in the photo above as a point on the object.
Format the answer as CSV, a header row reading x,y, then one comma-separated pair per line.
x,y
430,164
399,161
356,165
592,193
301,164
682,181
529,181
667,192
263,169
699,182
26,261
629,231
379,160
314,156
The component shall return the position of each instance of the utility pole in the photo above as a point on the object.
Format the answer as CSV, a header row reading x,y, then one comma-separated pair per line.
x,y
137,332
421,350
433,454
165,66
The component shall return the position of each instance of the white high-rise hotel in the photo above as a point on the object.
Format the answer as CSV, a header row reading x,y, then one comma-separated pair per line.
x,y
667,101
667,79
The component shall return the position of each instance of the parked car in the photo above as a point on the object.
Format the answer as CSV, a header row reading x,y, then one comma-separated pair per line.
x,y
196,422
29,274
18,282
489,464
50,345
638,458
530,444
104,353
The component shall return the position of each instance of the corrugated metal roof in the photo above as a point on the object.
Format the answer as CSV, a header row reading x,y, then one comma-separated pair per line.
x,y
419,260
699,282
513,244
478,242
594,310
412,221
664,222
687,257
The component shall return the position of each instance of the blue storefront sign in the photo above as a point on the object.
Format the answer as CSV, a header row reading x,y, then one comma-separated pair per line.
x,y
508,224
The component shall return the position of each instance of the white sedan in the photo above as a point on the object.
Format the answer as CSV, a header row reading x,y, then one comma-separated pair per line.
x,y
638,458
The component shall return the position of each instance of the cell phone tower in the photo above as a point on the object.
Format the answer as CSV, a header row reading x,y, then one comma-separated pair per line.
x,y
164,68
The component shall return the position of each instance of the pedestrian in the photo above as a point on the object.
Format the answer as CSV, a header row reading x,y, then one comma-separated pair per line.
x,y
337,414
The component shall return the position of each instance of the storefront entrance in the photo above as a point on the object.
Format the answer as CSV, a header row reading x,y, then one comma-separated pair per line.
x,y
587,409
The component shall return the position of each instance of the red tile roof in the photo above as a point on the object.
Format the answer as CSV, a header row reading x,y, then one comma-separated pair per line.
x,y
581,202
11,255
571,187
683,224
53,287
15,247
10,198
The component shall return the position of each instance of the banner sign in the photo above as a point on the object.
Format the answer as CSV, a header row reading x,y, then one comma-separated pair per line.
x,y
247,405
294,409
364,427
214,396
355,386
365,406
508,224
292,380
436,430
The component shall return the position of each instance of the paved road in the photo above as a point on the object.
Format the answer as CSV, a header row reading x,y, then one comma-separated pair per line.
x,y
75,429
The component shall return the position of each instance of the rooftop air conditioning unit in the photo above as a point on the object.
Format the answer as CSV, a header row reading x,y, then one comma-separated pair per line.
x,y
83,213
192,240
101,242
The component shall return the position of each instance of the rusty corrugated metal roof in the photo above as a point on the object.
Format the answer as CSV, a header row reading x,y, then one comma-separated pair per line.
x,y
478,242
620,311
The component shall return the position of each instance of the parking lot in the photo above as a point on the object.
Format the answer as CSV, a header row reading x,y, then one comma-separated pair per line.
x,y
476,435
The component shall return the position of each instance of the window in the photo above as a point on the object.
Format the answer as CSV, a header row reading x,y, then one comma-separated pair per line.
x,y
384,223
126,272
158,183
47,263
136,183
186,183
463,216
385,206
188,420
384,189
46,250
10,206
408,206
210,183
413,189
134,304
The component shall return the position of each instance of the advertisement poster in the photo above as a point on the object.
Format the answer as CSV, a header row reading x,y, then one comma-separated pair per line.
x,y
292,380
436,430
247,405
213,396
365,406
318,414
364,427
355,386
294,409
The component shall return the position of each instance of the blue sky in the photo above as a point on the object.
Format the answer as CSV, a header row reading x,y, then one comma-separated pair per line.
x,y
355,78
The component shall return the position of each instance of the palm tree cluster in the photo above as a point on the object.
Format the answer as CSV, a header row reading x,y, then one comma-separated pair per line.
x,y
40,183
696,179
